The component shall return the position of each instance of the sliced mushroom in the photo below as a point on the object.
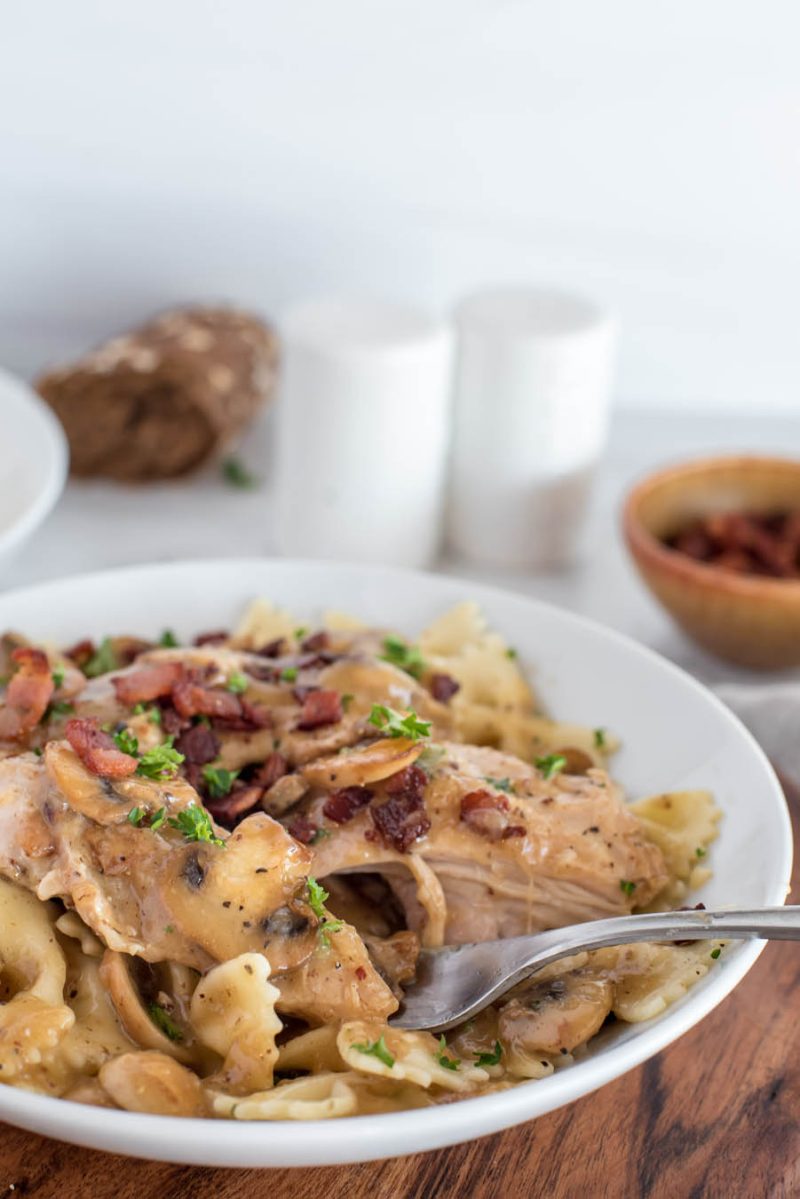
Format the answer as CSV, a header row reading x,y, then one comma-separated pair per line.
x,y
152,1003
152,1082
557,1015
284,794
103,801
359,767
577,760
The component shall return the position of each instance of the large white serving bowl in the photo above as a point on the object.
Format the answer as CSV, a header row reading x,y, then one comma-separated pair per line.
x,y
33,462
675,735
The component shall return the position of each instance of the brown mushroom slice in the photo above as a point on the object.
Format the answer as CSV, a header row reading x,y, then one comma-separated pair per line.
x,y
151,1001
360,767
105,802
247,897
577,760
557,1015
284,794
153,1082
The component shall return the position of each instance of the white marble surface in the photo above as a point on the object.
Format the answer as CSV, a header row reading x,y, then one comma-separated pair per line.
x,y
98,525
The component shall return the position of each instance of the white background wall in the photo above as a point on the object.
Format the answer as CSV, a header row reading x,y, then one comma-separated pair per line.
x,y
159,150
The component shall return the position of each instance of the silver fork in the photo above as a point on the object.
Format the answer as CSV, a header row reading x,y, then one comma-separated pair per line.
x,y
458,981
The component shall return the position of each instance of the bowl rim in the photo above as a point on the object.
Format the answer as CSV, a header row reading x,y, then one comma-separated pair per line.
x,y
53,444
331,1142
643,545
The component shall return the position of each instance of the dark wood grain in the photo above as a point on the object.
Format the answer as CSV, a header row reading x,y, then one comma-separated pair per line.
x,y
717,1114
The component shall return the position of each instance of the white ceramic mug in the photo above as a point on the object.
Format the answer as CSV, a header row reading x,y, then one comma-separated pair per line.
x,y
362,430
532,389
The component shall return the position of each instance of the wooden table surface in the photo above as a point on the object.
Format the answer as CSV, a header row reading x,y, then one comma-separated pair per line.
x,y
717,1114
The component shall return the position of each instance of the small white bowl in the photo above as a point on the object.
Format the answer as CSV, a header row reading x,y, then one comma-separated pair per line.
x,y
33,466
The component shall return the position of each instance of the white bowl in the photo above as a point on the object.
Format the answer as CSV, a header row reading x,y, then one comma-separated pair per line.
x,y
675,735
33,466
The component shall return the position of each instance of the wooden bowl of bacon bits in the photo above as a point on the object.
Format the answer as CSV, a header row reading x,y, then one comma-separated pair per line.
x,y
717,541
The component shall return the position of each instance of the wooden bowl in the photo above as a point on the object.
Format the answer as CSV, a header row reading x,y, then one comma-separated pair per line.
x,y
748,619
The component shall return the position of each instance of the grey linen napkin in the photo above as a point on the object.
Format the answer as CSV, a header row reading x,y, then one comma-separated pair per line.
x,y
772,713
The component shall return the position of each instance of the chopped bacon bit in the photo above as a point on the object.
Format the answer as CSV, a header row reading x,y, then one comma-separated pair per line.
x,y
320,708
215,637
274,768
402,819
303,829
81,652
242,799
171,720
28,693
198,745
301,692
361,973
487,813
251,717
273,649
443,687
411,781
191,698
97,750
149,682
316,642
342,806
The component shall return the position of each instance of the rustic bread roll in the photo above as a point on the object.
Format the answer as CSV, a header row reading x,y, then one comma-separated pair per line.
x,y
161,400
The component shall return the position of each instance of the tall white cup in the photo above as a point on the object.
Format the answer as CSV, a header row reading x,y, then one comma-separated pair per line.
x,y
362,430
533,378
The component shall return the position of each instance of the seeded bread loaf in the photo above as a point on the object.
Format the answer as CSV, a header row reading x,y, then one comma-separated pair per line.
x,y
163,399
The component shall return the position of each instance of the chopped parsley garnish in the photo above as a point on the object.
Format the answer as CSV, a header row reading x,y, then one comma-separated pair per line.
x,y
59,707
162,1019
376,1049
141,818
58,676
195,824
550,764
38,751
161,762
328,926
627,887
599,738
127,742
102,660
395,724
237,683
499,784
399,653
136,816
289,674
449,1063
316,897
158,819
138,709
236,474
490,1059
320,835
347,699
168,640
169,928
218,780
300,633
154,716
511,653
715,953
700,852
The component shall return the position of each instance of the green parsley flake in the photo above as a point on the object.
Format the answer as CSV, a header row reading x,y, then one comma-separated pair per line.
x,y
449,1063
320,835
715,953
195,824
102,660
376,1049
162,1019
141,818
59,707
395,724
218,780
627,887
236,474
550,765
237,683
154,716
161,762
490,1059
168,640
316,897
599,738
499,784
169,928
300,633
289,674
399,653
58,676
127,742
700,852
328,926
158,819
511,653
347,699
136,816
38,751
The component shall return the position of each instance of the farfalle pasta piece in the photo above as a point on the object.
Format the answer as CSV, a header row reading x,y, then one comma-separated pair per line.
x,y
682,824
315,1051
233,1012
418,1057
318,1097
654,976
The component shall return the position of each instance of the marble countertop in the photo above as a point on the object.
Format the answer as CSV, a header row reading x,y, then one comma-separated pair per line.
x,y
98,525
